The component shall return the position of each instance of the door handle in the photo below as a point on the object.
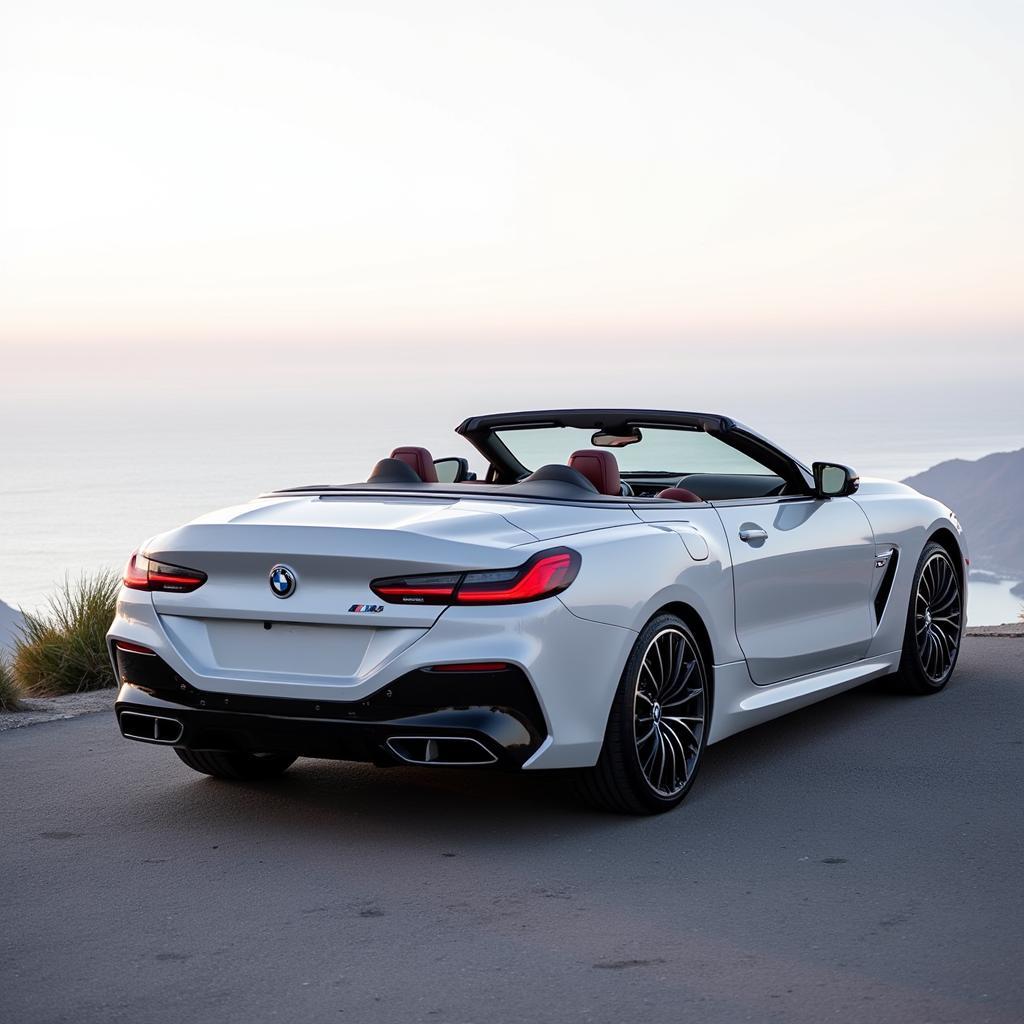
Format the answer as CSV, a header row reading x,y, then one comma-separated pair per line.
x,y
753,533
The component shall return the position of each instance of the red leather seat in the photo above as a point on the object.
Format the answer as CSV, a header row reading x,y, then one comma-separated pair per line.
x,y
600,468
678,494
420,460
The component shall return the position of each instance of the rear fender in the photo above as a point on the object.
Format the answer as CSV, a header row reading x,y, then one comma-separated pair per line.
x,y
629,574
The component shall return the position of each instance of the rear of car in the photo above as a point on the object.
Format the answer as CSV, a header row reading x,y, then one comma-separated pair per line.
x,y
391,629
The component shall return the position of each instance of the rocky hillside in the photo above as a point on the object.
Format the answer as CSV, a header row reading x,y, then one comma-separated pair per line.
x,y
988,498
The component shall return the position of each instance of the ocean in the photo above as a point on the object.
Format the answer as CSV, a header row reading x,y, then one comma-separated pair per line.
x,y
103,446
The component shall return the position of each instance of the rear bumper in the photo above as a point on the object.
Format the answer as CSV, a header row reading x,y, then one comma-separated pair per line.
x,y
499,738
488,716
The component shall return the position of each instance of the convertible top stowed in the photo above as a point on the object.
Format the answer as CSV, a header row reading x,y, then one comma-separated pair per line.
x,y
508,477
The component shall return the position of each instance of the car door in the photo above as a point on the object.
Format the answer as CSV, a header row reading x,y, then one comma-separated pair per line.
x,y
802,573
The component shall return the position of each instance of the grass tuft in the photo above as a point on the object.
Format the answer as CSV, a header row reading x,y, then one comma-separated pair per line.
x,y
10,691
63,648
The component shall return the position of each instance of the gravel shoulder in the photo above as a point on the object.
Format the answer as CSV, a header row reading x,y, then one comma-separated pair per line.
x,y
35,710
1007,629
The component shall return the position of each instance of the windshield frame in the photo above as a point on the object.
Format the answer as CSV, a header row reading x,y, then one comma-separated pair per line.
x,y
482,433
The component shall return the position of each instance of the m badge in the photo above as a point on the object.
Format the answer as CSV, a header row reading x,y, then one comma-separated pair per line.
x,y
367,609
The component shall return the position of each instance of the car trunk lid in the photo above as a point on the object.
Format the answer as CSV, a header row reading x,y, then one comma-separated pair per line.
x,y
331,626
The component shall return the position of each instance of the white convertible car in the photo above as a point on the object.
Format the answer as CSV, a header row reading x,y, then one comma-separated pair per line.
x,y
620,589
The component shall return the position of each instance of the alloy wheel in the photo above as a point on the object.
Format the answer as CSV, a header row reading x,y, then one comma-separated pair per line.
x,y
938,615
669,709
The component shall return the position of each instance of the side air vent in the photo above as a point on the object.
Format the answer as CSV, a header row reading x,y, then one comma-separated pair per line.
x,y
885,587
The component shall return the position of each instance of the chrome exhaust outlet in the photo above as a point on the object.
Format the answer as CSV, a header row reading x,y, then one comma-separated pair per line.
x,y
440,750
150,728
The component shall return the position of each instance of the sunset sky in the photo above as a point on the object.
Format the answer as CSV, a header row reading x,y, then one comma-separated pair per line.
x,y
229,171
245,245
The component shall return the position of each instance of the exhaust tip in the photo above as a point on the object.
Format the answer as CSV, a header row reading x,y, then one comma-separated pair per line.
x,y
150,728
440,750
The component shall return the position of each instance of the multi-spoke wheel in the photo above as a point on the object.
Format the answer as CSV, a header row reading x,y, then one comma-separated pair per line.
x,y
935,622
658,724
668,711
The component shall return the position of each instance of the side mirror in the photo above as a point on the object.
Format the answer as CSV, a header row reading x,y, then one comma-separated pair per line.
x,y
831,480
452,471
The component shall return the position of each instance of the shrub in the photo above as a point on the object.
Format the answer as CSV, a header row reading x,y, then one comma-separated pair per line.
x,y
62,649
10,691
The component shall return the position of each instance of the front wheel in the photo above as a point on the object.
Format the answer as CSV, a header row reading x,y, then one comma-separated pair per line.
x,y
931,643
658,725
238,765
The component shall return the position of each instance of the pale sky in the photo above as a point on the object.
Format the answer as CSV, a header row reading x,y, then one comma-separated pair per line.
x,y
232,170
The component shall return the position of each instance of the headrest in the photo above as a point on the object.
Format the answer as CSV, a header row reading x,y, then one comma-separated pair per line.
x,y
600,468
419,460
678,494
393,471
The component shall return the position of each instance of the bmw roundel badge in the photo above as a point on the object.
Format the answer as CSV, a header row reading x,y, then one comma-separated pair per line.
x,y
282,581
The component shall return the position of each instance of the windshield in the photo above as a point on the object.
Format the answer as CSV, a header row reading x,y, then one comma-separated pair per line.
x,y
668,450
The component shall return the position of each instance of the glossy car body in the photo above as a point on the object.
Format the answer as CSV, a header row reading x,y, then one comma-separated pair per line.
x,y
793,596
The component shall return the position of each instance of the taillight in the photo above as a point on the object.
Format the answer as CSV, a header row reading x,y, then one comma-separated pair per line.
x,y
544,575
142,573
417,589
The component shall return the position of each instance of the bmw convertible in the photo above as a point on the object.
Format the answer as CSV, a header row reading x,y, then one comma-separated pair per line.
x,y
612,591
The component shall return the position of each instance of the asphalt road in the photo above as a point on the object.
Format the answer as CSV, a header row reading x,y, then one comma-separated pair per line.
x,y
858,861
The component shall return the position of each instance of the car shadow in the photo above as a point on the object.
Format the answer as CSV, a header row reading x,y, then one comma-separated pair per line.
x,y
317,798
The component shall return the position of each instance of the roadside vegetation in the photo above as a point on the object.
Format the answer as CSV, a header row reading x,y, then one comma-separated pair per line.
x,y
62,649
10,691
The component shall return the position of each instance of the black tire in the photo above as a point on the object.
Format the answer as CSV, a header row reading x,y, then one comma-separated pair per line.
x,y
237,765
935,622
620,781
